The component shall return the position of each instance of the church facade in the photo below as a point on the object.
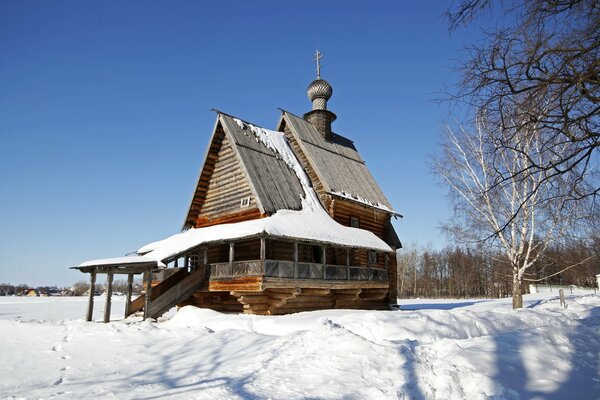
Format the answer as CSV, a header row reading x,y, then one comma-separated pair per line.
x,y
280,221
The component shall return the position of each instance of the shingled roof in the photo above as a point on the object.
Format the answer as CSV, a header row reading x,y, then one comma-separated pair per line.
x,y
337,163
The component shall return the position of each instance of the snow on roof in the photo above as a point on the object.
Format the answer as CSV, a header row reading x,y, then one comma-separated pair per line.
x,y
359,199
312,223
120,260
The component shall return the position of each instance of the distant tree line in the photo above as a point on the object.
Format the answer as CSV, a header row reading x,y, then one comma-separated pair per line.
x,y
460,271
77,289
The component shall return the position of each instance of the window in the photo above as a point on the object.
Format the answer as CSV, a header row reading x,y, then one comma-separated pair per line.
x,y
372,258
245,202
354,222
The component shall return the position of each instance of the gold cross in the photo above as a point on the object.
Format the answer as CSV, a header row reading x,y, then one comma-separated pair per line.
x,y
318,56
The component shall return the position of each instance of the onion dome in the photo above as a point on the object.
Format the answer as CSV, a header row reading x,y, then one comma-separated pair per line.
x,y
319,91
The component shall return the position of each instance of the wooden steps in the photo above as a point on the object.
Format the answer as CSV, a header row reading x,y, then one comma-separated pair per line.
x,y
170,292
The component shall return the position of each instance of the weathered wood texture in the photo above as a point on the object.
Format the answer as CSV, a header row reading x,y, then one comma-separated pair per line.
x,y
336,161
370,219
218,301
393,278
158,287
226,186
290,300
179,292
279,250
247,250
273,181
315,179
249,283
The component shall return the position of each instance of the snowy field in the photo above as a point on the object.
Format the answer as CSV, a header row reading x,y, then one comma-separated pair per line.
x,y
433,349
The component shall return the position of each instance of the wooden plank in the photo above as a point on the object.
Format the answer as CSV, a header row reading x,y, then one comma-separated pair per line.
x,y
178,293
253,283
269,283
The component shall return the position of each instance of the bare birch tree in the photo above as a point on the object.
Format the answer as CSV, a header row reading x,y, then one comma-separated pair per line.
x,y
518,217
542,55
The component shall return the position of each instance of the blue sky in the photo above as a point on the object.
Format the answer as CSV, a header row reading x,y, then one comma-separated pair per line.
x,y
105,111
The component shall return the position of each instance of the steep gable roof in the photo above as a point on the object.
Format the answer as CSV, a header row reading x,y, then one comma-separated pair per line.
x,y
337,163
274,185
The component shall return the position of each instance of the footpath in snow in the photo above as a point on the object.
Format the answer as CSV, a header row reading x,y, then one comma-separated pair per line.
x,y
459,349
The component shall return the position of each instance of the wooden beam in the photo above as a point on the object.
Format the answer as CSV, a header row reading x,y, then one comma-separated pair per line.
x,y
231,253
324,260
148,293
90,311
109,287
129,291
295,259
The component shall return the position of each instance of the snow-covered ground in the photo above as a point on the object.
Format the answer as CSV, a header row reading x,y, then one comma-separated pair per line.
x,y
432,349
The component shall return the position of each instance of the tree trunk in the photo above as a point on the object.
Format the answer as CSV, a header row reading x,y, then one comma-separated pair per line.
x,y
517,295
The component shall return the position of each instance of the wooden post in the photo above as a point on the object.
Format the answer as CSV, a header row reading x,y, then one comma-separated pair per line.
x,y
90,311
148,294
231,256
296,260
561,294
263,249
369,264
129,290
347,263
109,283
205,263
324,260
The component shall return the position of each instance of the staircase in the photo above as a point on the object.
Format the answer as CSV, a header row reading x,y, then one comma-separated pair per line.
x,y
169,292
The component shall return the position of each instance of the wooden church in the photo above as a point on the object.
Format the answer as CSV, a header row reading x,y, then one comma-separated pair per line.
x,y
280,221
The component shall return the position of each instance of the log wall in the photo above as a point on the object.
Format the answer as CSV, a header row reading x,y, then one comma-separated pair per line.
x,y
370,219
225,186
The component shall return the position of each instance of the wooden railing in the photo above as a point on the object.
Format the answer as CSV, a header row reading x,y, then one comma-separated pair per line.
x,y
179,292
299,270
163,286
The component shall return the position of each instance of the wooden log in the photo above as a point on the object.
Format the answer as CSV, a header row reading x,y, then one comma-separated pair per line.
x,y
281,294
251,283
315,291
90,311
303,298
238,293
128,298
349,297
256,308
148,294
373,296
308,304
109,289
254,299
347,291
283,290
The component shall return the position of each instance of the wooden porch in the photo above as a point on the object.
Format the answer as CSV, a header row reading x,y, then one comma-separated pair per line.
x,y
260,275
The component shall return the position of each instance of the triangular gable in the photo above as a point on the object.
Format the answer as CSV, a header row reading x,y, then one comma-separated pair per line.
x,y
223,189
239,169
